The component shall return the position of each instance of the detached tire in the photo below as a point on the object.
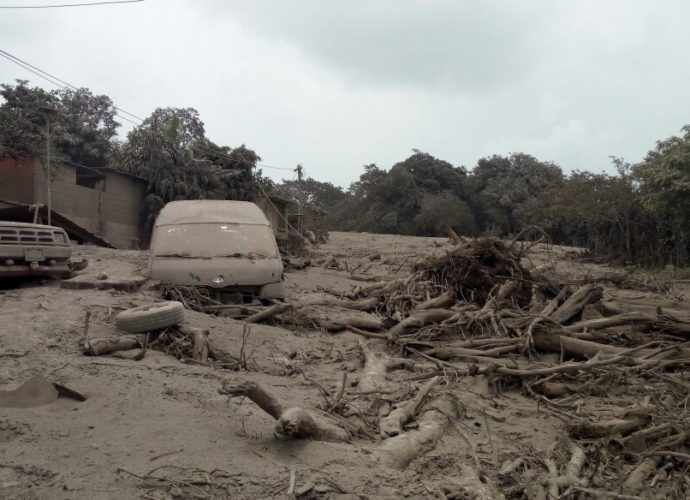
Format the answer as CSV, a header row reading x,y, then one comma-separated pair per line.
x,y
149,318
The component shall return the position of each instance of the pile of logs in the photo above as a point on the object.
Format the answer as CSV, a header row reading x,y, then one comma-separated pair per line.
x,y
478,310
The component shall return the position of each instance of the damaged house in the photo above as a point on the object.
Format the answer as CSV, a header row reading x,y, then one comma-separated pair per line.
x,y
94,205
101,206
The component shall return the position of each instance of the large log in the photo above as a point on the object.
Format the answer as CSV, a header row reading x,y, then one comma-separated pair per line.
x,y
630,421
199,344
355,305
580,348
268,313
107,345
547,341
397,452
587,294
442,301
419,319
375,366
392,425
453,236
359,322
293,421
618,320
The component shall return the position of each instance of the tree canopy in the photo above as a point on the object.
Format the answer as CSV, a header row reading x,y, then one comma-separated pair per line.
x,y
171,151
639,214
83,125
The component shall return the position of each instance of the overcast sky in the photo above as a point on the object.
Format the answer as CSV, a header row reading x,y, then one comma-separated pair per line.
x,y
338,84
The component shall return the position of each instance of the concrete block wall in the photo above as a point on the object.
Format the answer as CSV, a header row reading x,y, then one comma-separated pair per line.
x,y
16,179
113,213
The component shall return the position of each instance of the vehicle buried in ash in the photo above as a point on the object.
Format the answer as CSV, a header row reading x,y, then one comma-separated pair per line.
x,y
226,247
33,250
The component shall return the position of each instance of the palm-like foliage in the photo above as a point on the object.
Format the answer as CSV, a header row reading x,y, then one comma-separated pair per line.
x,y
171,152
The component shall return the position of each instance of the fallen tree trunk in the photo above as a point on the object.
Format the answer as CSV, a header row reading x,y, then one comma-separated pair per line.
x,y
363,278
397,452
355,305
199,343
639,477
618,320
632,419
358,322
375,366
419,319
446,353
106,345
577,348
442,301
293,422
453,236
468,485
587,294
268,313
392,425
556,389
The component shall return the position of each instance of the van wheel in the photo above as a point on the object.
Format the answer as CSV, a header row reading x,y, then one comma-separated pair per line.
x,y
149,318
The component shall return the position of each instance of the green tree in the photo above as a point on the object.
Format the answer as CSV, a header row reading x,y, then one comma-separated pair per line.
x,y
171,152
330,201
444,210
391,202
83,126
665,185
506,185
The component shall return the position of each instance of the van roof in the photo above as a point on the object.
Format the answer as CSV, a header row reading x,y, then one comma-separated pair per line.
x,y
211,211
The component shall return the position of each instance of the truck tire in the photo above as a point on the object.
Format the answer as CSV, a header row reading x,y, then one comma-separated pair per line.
x,y
151,317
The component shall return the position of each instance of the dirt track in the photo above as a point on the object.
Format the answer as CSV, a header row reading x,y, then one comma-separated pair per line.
x,y
160,412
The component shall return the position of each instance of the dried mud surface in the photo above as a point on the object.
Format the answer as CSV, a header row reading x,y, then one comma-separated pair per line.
x,y
160,417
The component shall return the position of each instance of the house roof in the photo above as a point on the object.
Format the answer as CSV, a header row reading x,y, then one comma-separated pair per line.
x,y
101,170
280,198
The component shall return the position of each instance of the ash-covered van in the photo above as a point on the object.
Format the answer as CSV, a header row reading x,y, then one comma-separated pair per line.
x,y
226,246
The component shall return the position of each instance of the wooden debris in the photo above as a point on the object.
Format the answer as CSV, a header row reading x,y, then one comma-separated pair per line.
x,y
360,322
107,345
200,344
632,419
392,425
397,452
293,421
587,294
268,313
418,319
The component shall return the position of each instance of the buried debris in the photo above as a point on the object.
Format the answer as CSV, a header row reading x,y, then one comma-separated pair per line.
x,y
397,452
108,345
613,368
187,344
37,391
293,421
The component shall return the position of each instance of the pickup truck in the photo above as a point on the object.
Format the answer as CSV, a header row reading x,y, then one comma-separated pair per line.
x,y
33,250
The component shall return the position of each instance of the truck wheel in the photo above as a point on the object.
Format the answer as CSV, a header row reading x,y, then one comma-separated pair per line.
x,y
149,318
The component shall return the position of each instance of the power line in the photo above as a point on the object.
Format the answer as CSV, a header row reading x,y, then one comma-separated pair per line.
x,y
91,4
2,53
63,81
65,85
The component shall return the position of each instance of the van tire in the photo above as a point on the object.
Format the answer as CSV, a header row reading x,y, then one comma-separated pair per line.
x,y
150,317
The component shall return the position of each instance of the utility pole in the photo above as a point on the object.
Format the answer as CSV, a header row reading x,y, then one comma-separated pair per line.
x,y
48,191
48,112
299,171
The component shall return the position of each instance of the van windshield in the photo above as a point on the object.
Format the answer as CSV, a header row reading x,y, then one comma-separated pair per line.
x,y
210,240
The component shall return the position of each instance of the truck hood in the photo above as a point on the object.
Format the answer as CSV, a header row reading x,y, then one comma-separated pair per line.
x,y
216,272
